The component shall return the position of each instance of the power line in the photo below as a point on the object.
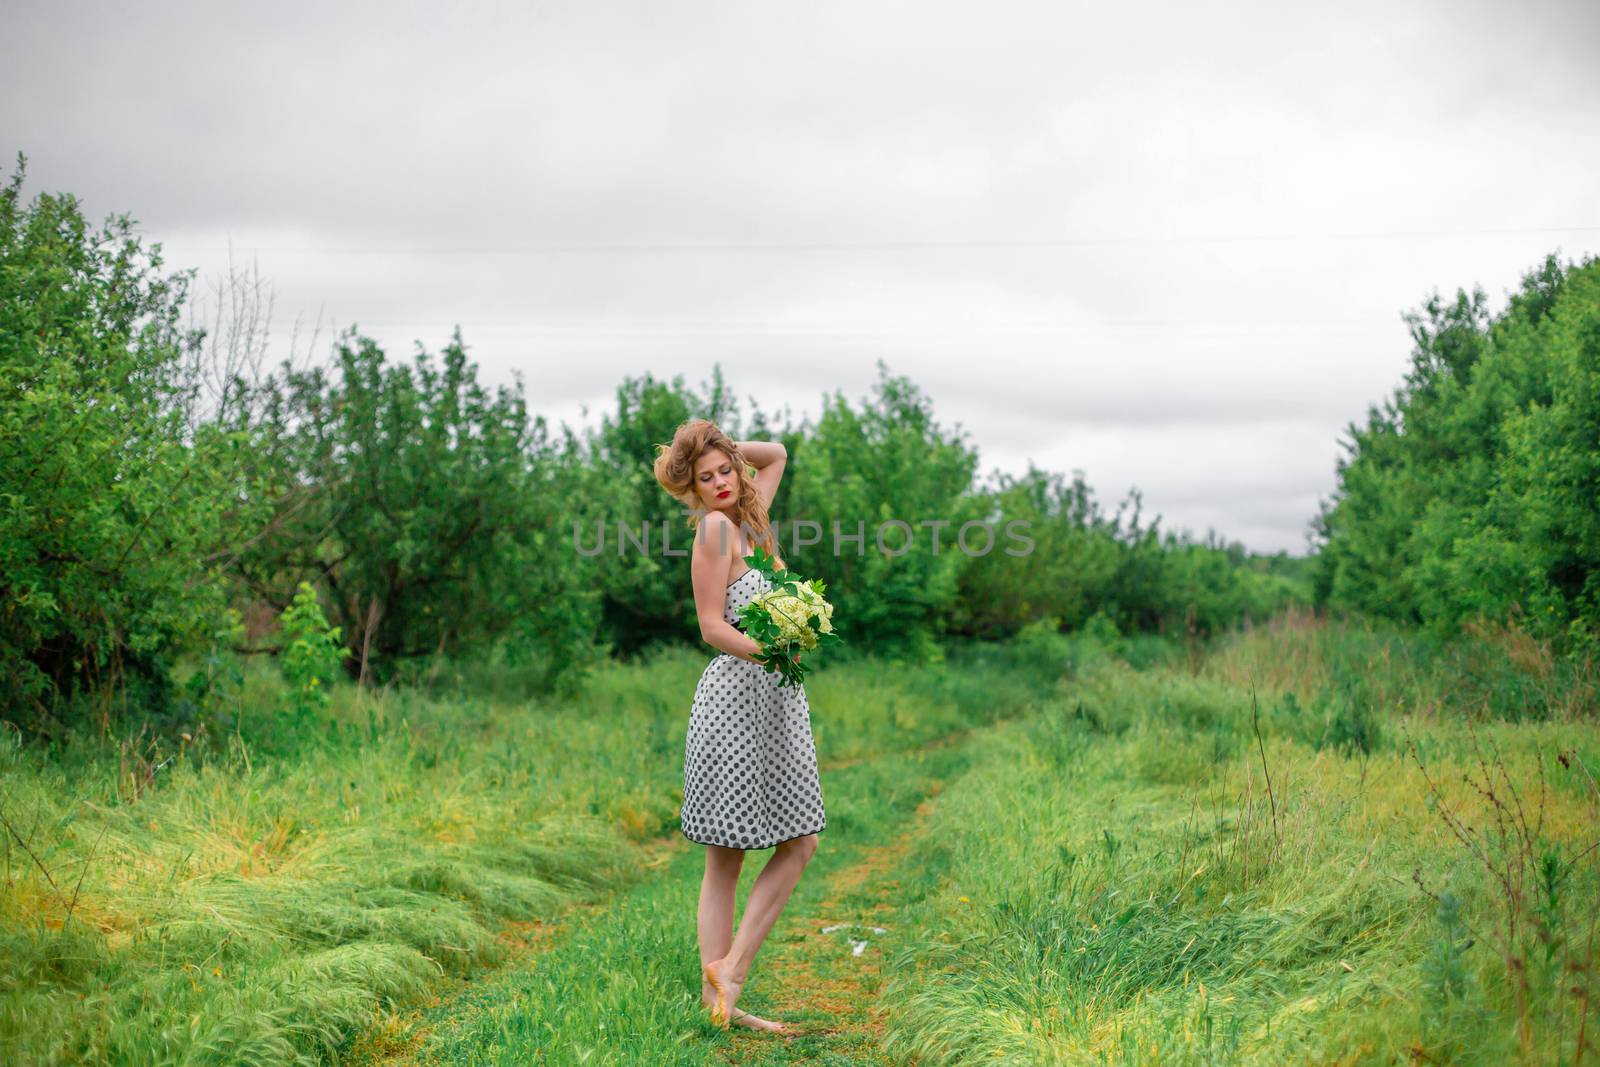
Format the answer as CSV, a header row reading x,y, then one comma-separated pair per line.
x,y
1091,332
879,246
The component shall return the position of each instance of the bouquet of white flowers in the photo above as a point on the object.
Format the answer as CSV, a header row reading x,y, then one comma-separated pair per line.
x,y
790,618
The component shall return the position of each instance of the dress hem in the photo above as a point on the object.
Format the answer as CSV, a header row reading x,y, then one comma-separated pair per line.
x,y
752,848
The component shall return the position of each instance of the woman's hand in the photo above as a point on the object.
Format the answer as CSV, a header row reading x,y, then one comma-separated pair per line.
x,y
751,657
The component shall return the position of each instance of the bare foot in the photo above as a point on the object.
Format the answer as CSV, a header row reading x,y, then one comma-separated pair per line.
x,y
756,1022
724,991
719,991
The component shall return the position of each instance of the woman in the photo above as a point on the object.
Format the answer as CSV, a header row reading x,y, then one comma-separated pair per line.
x,y
750,765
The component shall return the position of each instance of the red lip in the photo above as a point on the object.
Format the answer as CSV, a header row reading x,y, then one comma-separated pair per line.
x,y
724,493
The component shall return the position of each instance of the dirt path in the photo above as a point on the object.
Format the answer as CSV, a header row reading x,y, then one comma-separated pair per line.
x,y
829,985
613,981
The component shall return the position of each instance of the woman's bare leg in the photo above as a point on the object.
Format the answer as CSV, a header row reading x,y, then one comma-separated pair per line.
x,y
767,897
717,899
718,893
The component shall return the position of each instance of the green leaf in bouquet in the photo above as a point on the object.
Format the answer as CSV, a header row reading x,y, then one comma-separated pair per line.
x,y
758,624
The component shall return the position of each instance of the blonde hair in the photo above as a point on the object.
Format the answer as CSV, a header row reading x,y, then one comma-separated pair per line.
x,y
674,469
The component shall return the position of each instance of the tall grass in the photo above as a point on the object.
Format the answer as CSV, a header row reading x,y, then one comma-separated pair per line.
x,y
258,903
1494,673
1297,845
1323,866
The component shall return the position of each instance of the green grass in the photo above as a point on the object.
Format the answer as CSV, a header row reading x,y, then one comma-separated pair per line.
x,y
624,987
1116,882
263,903
1311,843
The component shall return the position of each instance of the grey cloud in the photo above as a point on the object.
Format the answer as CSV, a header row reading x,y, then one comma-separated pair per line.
x,y
1244,198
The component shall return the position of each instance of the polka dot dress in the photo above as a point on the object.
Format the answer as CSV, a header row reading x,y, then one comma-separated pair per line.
x,y
749,762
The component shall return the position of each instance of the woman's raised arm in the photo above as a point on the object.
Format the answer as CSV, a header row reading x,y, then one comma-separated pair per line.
x,y
768,458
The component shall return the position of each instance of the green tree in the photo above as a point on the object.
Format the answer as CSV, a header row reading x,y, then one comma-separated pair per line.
x,y
310,656
1471,494
111,509
432,510
1070,558
859,470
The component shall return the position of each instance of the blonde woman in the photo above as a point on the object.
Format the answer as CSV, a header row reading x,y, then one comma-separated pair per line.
x,y
750,765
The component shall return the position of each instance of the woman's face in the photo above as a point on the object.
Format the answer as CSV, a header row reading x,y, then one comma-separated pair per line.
x,y
715,481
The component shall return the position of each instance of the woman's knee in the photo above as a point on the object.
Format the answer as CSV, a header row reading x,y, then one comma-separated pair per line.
x,y
804,847
724,862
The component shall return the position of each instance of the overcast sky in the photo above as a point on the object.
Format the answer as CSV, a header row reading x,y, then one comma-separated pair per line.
x,y
1166,245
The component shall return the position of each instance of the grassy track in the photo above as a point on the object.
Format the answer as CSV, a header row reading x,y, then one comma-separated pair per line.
x,y
623,985
264,904
1315,843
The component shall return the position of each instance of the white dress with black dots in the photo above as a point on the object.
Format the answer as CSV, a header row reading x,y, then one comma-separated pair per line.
x,y
749,762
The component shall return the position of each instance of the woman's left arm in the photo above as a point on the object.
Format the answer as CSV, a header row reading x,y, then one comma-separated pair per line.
x,y
769,458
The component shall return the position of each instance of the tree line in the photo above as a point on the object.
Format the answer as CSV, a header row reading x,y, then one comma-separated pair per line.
x,y
1472,494
167,491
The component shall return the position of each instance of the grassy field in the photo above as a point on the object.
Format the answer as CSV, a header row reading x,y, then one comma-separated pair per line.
x,y
259,907
1312,843
1324,846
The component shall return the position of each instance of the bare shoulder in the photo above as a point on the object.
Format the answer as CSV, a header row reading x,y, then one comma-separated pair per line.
x,y
716,522
716,536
